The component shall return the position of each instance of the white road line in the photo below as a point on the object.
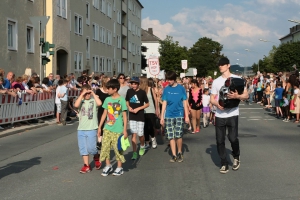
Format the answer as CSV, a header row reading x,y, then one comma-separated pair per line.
x,y
254,112
250,108
242,117
269,119
253,119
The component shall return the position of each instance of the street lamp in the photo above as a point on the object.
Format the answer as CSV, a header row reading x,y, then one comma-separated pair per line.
x,y
262,40
255,52
295,21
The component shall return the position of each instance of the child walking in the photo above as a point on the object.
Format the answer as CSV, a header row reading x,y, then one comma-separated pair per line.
x,y
87,128
116,123
206,107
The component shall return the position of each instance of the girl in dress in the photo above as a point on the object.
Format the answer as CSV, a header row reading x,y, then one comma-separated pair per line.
x,y
195,104
206,107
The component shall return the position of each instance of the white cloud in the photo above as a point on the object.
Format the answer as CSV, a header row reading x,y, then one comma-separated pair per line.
x,y
278,2
159,30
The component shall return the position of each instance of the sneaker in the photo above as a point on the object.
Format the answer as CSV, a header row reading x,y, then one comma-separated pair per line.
x,y
284,120
287,120
97,162
173,159
142,150
147,146
85,169
118,171
236,163
106,170
99,145
154,143
134,156
179,157
224,169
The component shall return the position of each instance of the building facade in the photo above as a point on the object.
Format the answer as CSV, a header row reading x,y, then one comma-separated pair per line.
x,y
293,36
101,36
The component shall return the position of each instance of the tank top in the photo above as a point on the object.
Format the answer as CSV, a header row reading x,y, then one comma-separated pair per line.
x,y
151,108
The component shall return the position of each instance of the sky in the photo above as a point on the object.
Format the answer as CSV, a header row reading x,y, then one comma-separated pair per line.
x,y
236,24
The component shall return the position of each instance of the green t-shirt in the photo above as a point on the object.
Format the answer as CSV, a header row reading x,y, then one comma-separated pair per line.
x,y
88,115
115,108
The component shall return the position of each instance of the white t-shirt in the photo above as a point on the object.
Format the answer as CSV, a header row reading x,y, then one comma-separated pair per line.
x,y
57,100
216,86
205,100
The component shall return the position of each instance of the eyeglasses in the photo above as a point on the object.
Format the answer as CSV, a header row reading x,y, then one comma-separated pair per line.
x,y
121,78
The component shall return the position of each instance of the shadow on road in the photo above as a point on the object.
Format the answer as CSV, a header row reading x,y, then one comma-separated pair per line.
x,y
213,152
17,167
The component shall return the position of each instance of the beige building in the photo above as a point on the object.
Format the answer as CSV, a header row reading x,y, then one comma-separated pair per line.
x,y
101,36
293,36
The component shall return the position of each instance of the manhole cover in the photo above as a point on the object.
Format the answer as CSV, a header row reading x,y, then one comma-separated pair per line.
x,y
247,135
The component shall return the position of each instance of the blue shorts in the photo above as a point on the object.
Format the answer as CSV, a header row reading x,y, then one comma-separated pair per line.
x,y
87,142
174,127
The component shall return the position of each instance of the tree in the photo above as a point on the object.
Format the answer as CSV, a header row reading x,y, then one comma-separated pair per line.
x,y
171,54
286,56
204,56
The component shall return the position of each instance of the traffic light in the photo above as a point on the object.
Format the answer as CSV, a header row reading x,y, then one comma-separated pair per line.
x,y
46,46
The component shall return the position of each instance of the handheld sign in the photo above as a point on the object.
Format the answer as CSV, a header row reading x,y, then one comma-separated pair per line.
x,y
154,67
184,64
182,75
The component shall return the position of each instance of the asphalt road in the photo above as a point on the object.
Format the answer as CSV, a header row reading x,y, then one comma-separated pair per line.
x,y
44,164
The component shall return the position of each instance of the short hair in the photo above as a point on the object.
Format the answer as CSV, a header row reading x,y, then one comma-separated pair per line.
x,y
170,75
113,84
121,75
19,79
45,80
37,79
86,86
205,90
84,71
25,77
60,82
66,80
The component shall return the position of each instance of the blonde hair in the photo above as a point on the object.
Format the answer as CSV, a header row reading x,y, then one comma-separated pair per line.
x,y
144,84
104,80
25,77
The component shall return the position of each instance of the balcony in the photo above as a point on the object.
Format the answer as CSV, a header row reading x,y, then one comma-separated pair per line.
x,y
124,54
124,7
124,30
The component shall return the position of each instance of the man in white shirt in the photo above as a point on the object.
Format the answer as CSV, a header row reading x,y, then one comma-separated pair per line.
x,y
226,118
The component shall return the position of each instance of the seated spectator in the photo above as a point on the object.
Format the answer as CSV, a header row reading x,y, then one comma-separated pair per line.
x,y
17,84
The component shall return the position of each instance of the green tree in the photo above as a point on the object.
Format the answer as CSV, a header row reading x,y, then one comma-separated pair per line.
x,y
286,55
204,56
171,54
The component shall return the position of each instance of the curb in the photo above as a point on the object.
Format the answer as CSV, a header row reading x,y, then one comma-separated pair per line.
x,y
23,129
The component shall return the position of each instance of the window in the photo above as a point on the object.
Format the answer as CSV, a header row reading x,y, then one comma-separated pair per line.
x,y
119,17
61,8
109,67
129,25
118,41
114,29
114,4
130,5
96,63
129,68
96,4
95,31
109,37
102,35
87,48
109,10
103,4
102,64
133,49
29,39
134,9
87,14
129,46
78,24
78,61
12,35
119,66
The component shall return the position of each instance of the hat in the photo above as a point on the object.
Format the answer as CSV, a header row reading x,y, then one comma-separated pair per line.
x,y
223,61
135,80
123,144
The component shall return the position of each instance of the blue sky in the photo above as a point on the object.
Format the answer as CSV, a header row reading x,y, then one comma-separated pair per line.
x,y
237,25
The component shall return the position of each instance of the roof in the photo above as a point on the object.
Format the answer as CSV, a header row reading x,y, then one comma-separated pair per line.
x,y
140,4
148,37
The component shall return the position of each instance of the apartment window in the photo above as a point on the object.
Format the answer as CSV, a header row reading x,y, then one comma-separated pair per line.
x,y
87,14
96,4
29,39
114,29
96,63
119,17
118,41
130,5
61,8
103,4
95,31
114,4
102,64
109,67
87,41
78,24
12,35
134,7
129,68
133,29
109,38
129,25
129,46
78,61
133,49
109,10
119,66
102,34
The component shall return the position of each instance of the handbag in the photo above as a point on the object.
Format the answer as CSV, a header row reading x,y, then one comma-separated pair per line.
x,y
157,120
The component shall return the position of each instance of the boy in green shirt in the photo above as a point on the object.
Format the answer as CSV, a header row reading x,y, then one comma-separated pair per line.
x,y
116,122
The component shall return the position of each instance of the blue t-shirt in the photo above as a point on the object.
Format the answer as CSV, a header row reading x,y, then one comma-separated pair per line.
x,y
64,90
278,93
6,84
174,97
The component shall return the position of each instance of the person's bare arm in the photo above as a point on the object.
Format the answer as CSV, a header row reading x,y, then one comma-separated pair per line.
x,y
162,114
214,102
235,95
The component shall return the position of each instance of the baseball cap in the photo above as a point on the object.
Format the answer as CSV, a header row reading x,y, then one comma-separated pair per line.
x,y
135,80
223,61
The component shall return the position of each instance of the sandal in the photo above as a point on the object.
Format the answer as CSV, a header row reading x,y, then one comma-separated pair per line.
x,y
297,121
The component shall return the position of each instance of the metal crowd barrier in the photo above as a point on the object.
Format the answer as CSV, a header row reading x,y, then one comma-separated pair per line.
x,y
32,107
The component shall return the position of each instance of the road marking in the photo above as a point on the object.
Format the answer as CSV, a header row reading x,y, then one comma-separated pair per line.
x,y
250,109
269,119
242,117
254,112
253,119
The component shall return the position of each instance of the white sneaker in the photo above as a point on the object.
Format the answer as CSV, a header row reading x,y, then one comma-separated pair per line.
x,y
154,143
118,172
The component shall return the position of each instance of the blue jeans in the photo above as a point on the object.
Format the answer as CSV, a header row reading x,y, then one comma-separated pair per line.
x,y
251,97
87,142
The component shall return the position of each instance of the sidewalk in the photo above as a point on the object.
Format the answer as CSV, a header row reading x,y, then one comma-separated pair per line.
x,y
20,127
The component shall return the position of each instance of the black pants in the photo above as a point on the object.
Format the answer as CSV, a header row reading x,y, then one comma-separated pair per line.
x,y
231,123
259,95
149,126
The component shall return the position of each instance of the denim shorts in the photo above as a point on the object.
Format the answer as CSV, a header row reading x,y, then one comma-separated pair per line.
x,y
87,141
174,127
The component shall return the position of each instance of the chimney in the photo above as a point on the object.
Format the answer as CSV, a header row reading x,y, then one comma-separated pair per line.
x,y
150,30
